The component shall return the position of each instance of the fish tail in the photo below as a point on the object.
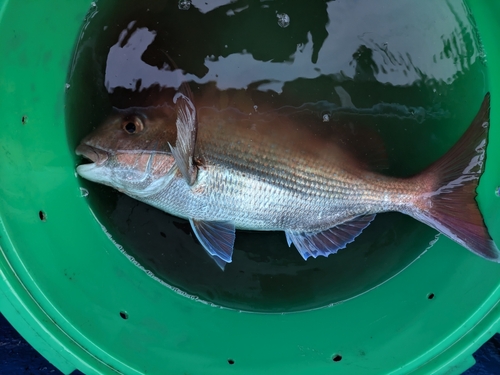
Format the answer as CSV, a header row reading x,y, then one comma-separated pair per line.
x,y
449,205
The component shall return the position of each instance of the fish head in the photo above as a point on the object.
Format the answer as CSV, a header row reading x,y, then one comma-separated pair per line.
x,y
130,150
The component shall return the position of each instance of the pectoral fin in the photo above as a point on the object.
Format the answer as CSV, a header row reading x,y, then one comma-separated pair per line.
x,y
329,241
187,125
217,237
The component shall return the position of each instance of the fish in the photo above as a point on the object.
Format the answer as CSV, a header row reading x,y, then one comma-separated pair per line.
x,y
224,169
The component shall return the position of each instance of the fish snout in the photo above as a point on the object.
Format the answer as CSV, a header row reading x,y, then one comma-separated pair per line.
x,y
96,155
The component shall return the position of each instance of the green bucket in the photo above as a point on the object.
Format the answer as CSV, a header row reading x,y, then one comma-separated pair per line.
x,y
83,305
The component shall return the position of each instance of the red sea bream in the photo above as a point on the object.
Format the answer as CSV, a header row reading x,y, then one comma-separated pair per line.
x,y
230,170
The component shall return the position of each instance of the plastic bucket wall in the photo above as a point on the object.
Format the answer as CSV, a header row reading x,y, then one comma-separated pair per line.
x,y
67,289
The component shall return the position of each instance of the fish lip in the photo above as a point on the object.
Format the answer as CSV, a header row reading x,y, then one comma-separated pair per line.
x,y
94,154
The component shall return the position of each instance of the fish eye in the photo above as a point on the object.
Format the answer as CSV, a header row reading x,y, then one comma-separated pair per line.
x,y
130,127
133,125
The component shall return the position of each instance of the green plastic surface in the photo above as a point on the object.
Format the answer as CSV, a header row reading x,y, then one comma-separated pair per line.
x,y
63,282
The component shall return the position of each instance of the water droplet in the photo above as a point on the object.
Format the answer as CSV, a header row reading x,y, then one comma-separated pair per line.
x,y
184,4
434,90
255,108
67,86
497,191
93,4
84,192
326,117
283,19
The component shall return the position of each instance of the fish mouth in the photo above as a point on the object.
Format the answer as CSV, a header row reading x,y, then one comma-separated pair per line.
x,y
94,154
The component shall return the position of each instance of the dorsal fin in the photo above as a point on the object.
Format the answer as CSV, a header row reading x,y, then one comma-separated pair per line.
x,y
364,143
345,98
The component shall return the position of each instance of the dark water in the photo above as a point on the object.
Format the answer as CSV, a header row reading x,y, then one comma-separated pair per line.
x,y
413,72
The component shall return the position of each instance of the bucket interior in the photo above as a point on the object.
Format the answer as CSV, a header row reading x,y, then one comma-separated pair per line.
x,y
413,106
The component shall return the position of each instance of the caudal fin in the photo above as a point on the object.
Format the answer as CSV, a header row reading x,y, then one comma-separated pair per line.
x,y
453,209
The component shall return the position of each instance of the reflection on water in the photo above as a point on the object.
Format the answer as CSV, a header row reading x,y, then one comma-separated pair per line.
x,y
327,38
414,72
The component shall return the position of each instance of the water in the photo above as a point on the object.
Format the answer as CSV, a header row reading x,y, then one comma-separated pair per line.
x,y
412,72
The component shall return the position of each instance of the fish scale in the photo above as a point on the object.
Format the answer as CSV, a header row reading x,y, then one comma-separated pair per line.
x,y
246,195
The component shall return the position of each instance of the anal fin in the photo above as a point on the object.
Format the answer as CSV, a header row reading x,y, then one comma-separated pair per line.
x,y
314,244
217,238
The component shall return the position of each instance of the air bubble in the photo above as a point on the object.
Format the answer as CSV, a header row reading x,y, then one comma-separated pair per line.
x,y
84,192
497,191
283,19
67,86
184,4
255,108
326,117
